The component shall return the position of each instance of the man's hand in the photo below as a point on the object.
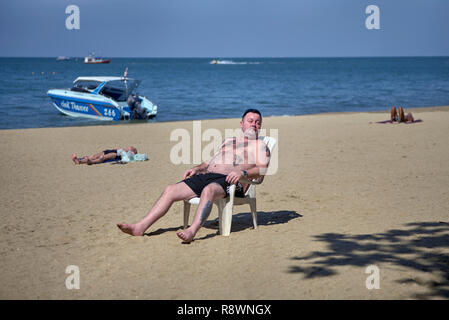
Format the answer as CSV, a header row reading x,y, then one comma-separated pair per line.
x,y
234,177
190,172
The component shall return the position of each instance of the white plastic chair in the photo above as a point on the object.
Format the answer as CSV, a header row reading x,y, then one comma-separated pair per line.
x,y
226,205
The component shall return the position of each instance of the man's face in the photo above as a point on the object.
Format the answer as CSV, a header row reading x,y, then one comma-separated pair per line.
x,y
251,125
132,149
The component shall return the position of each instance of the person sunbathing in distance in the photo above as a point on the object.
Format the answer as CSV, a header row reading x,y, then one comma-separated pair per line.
x,y
108,154
237,158
398,116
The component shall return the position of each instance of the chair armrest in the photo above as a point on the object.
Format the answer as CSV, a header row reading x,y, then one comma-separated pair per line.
x,y
254,181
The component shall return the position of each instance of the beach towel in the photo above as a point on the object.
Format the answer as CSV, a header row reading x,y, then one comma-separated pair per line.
x,y
128,156
388,121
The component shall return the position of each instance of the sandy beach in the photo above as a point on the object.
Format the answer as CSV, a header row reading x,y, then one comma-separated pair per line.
x,y
349,193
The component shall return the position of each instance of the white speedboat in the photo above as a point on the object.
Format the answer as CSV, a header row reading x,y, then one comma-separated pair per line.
x,y
91,59
103,98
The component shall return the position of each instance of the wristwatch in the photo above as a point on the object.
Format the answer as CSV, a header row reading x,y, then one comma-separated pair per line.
x,y
245,174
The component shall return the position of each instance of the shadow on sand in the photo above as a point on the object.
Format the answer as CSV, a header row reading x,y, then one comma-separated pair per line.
x,y
420,246
240,222
244,220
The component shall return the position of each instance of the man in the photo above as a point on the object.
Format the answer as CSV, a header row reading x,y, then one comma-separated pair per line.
x,y
399,116
105,155
243,157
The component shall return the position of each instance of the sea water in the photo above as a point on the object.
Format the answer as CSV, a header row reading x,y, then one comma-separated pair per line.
x,y
195,88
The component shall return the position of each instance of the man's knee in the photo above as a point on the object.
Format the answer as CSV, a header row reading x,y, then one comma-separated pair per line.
x,y
170,189
174,192
212,190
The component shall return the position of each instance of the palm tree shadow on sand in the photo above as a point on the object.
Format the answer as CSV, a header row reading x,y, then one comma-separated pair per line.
x,y
419,246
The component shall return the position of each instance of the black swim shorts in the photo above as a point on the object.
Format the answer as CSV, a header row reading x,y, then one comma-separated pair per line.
x,y
199,181
109,151
117,157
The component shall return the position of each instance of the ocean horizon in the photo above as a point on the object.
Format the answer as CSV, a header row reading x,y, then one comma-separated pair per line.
x,y
233,57
194,89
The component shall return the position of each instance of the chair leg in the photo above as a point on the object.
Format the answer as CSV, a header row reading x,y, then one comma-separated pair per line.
x,y
186,214
253,207
220,205
225,219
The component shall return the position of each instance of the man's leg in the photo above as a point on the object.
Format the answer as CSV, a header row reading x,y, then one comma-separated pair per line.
x,y
77,160
90,159
96,156
101,158
211,193
394,114
172,193
401,115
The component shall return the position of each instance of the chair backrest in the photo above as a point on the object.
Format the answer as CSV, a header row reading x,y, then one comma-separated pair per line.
x,y
270,142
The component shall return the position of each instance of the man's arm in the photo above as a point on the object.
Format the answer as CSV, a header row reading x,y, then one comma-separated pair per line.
x,y
258,172
263,160
203,166
193,171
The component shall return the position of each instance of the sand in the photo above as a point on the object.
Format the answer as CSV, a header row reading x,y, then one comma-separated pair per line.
x,y
348,194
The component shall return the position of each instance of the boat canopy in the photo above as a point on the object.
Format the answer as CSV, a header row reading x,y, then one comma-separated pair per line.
x,y
100,79
116,88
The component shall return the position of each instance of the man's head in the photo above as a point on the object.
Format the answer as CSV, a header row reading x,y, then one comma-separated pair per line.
x,y
132,149
251,123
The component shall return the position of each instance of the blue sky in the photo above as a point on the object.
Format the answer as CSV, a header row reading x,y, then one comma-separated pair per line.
x,y
224,28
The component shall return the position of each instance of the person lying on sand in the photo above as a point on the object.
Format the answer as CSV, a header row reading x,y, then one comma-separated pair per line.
x,y
237,158
398,116
109,154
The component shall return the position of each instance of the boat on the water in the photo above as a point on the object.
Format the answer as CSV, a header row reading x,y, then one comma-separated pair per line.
x,y
103,98
62,58
92,59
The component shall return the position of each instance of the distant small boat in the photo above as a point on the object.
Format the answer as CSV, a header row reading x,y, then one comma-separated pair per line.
x,y
91,59
217,61
62,58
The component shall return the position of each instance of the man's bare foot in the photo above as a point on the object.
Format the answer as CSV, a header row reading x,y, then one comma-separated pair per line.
x,y
75,159
130,229
186,235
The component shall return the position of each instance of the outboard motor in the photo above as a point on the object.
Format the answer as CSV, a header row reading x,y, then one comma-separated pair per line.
x,y
135,104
